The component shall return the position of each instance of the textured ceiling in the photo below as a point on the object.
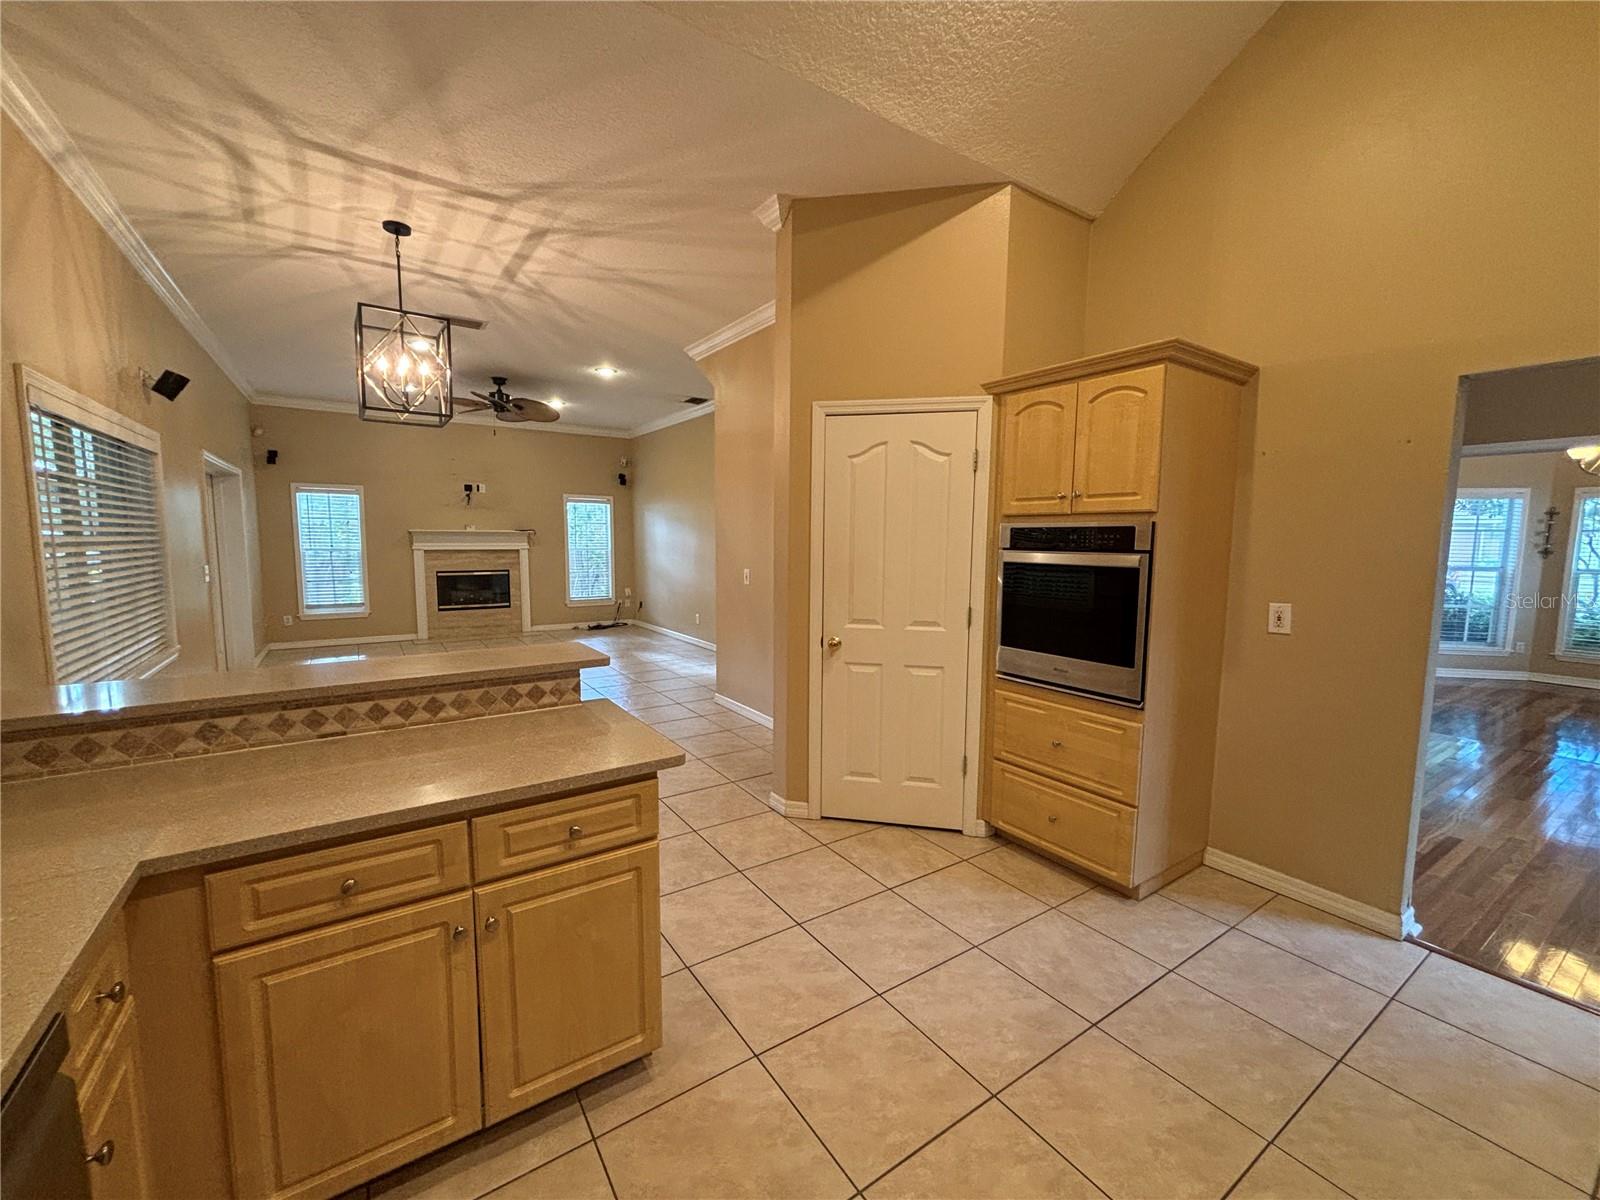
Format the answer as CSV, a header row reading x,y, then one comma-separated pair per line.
x,y
1066,98
579,175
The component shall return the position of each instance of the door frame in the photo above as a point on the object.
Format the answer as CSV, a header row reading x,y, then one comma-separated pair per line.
x,y
983,407
222,484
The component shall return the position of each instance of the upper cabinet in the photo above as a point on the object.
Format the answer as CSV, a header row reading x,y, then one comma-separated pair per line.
x,y
1036,450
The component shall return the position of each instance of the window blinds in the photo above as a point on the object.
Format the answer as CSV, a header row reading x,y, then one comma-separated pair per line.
x,y
588,549
107,598
327,530
1581,629
1485,539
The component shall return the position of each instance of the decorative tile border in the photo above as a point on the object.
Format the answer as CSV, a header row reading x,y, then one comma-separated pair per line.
x,y
121,744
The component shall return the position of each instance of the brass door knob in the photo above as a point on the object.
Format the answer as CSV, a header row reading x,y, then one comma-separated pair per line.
x,y
102,1156
834,643
116,993
491,923
347,888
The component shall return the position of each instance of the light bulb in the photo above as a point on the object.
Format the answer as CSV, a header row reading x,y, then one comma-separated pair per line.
x,y
1583,453
419,343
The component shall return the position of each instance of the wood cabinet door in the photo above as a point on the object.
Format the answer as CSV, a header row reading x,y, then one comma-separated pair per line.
x,y
1036,437
1117,452
111,1102
351,1049
1063,820
570,975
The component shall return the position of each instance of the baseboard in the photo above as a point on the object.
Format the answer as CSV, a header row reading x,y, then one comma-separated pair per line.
x,y
673,633
262,653
744,710
1578,681
316,643
1387,923
787,808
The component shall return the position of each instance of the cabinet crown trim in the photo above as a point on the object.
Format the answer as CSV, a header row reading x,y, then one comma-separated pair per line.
x,y
1172,350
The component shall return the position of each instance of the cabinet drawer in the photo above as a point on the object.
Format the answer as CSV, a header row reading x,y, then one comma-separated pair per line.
x,y
305,890
1094,832
111,1106
539,835
1081,745
97,1003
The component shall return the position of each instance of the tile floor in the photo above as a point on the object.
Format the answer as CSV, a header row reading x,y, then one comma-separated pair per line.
x,y
860,1010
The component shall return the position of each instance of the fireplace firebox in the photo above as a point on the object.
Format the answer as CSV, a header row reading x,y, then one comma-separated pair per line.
x,y
472,589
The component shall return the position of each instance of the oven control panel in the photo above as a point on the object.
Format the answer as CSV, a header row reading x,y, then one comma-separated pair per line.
x,y
1095,538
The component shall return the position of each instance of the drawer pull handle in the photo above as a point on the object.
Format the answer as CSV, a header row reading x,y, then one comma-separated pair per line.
x,y
102,1156
1054,818
491,923
347,888
459,932
574,831
1055,743
116,993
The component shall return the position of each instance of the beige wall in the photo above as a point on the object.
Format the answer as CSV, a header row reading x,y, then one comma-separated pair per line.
x,y
741,375
1371,201
903,295
674,527
412,480
76,310
1551,479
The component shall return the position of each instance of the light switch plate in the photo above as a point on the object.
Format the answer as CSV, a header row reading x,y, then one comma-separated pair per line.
x,y
1280,618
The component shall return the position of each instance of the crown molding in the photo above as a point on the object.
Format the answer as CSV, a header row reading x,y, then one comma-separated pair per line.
x,y
677,418
732,332
348,408
773,211
1173,350
21,101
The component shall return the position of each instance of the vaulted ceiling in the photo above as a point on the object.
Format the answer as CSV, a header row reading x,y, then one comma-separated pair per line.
x,y
581,176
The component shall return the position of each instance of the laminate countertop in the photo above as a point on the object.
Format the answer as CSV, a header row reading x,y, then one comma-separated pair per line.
x,y
72,847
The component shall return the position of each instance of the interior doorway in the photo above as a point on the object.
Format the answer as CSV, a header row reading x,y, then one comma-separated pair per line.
x,y
899,497
227,567
1506,872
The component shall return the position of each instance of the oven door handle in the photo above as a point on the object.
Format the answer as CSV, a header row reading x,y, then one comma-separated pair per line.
x,y
1073,558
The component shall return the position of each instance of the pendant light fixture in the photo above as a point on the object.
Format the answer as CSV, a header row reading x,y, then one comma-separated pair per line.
x,y
402,357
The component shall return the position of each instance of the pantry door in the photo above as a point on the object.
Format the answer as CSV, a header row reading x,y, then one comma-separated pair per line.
x,y
897,509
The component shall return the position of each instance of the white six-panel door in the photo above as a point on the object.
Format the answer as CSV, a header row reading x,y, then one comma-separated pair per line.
x,y
897,535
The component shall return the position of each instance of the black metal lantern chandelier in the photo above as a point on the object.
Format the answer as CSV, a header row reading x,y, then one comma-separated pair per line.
x,y
402,357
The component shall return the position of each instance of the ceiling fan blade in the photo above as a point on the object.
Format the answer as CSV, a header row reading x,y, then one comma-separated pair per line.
x,y
511,414
484,398
538,410
470,405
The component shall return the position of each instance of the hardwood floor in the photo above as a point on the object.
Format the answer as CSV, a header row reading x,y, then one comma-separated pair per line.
x,y
1508,844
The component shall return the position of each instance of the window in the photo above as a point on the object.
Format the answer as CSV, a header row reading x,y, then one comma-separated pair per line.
x,y
588,550
1480,580
102,549
1580,607
331,549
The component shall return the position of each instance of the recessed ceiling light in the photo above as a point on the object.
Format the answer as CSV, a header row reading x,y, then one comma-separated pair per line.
x,y
556,402
607,372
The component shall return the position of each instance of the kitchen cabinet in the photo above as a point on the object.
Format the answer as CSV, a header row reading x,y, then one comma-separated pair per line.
x,y
1068,822
1036,438
351,1049
1089,744
112,1108
569,961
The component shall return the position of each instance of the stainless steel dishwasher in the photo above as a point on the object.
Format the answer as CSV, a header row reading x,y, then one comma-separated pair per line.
x,y
41,1139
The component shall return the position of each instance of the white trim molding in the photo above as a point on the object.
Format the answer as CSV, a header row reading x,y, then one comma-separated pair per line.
x,y
744,710
40,125
752,322
1537,446
788,808
773,211
673,633
1376,919
1577,681
677,418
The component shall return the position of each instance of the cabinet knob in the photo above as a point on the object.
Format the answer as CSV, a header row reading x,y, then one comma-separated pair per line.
x,y
574,831
1054,818
1055,743
491,923
459,932
347,888
1077,495
102,1156
1062,495
116,993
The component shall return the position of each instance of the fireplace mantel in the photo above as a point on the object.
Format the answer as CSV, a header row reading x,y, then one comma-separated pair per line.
x,y
470,539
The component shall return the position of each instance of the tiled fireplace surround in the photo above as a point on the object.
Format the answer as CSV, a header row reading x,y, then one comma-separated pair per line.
x,y
435,550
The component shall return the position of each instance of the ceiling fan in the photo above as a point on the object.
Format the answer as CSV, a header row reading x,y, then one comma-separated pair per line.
x,y
505,406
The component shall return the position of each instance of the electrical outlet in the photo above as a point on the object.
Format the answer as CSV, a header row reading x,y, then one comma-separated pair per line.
x,y
697,618
627,593
1280,618
288,620
1521,646
747,576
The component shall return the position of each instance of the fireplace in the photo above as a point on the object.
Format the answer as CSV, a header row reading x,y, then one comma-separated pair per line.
x,y
472,589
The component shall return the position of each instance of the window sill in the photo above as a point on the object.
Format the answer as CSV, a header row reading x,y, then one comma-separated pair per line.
x,y
1573,656
328,614
602,603
1476,651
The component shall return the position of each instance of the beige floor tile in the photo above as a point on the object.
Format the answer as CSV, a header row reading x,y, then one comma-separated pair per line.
x,y
736,1136
731,720
1316,1006
989,1019
714,805
1134,1131
872,1087
1252,1070
671,824
759,736
1561,1036
704,745
1378,962
742,764
692,776
958,843
972,902
688,860
1372,1141
1032,873
780,986
670,961
688,692
815,882
894,856
885,940
576,1175
1156,927
685,726
1085,970
828,830
697,1043
701,708
490,1158
1548,1119
988,1156
751,841
713,918
1276,1176
1219,895
761,787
